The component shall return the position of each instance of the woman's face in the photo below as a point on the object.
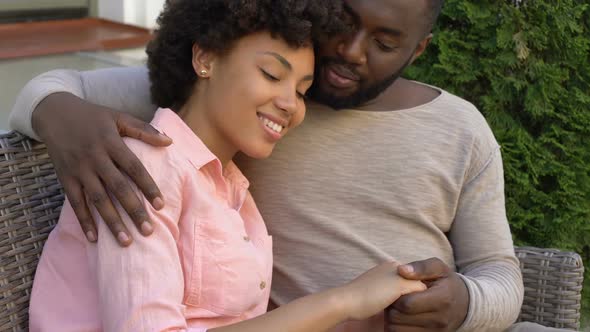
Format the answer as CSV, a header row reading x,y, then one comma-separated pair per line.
x,y
254,93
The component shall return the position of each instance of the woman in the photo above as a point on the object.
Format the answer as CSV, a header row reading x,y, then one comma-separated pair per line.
x,y
231,76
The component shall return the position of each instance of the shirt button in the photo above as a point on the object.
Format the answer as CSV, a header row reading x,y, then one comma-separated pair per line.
x,y
262,285
246,238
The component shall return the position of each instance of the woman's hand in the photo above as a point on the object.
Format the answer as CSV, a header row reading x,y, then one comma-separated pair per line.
x,y
443,307
90,158
376,289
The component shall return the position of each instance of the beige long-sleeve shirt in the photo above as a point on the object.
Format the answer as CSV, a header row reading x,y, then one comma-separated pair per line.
x,y
352,188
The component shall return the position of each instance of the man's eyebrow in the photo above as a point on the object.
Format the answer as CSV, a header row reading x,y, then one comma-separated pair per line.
x,y
390,31
282,60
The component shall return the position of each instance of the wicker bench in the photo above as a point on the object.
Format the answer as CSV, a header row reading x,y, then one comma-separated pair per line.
x,y
31,198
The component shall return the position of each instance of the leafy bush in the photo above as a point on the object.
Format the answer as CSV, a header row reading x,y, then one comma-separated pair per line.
x,y
526,66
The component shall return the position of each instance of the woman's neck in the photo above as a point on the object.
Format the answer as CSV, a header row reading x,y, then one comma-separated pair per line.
x,y
196,116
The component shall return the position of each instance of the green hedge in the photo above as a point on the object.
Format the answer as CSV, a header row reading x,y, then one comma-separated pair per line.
x,y
526,66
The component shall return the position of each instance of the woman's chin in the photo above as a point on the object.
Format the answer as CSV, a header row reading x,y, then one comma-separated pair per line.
x,y
259,152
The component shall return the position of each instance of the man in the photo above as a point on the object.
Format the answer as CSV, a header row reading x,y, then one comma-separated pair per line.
x,y
401,171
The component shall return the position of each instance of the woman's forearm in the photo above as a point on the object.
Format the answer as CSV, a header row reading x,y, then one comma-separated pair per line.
x,y
317,312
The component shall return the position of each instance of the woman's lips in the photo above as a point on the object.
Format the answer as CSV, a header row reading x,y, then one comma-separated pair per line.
x,y
274,130
340,77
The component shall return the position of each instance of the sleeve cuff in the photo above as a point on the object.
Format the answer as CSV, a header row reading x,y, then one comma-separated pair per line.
x,y
468,323
38,89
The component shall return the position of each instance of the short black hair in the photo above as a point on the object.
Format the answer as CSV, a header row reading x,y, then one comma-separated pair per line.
x,y
216,24
433,8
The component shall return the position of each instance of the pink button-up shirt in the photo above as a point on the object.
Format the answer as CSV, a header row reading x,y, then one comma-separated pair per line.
x,y
207,264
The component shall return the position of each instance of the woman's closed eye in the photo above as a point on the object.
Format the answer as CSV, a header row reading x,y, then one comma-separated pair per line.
x,y
272,78
269,76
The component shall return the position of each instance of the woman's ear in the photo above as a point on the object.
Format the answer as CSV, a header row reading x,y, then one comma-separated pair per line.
x,y
202,61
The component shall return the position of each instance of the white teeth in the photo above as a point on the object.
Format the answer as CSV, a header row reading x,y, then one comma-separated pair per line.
x,y
272,125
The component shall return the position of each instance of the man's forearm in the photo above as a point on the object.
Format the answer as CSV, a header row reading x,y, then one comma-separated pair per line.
x,y
35,91
123,89
45,107
495,296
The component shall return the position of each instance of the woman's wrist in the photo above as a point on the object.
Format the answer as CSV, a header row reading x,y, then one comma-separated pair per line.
x,y
340,302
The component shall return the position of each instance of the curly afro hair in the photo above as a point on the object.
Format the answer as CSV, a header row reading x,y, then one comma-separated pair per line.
x,y
216,24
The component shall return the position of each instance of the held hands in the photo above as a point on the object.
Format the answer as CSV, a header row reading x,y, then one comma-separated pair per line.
x,y
374,290
442,307
90,159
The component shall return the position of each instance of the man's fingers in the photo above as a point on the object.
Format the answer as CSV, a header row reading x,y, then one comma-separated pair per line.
x,y
430,300
404,328
132,127
120,187
431,321
130,164
77,200
429,269
97,196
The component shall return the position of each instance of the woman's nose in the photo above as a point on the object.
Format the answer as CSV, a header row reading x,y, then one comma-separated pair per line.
x,y
287,102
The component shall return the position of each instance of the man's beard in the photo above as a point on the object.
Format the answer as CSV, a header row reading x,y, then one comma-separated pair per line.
x,y
360,97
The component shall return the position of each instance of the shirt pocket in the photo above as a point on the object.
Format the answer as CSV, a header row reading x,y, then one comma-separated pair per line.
x,y
229,275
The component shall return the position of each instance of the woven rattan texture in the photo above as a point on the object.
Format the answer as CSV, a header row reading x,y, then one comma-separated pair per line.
x,y
31,198
552,287
30,201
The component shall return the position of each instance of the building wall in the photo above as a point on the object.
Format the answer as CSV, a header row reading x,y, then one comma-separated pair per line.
x,y
137,12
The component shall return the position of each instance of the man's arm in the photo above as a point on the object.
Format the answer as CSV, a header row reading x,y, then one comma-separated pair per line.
x,y
123,89
484,251
77,115
487,291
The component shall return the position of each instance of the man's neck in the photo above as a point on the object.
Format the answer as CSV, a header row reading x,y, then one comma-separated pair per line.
x,y
402,94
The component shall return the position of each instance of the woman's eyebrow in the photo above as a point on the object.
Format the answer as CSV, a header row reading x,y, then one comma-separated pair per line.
x,y
281,59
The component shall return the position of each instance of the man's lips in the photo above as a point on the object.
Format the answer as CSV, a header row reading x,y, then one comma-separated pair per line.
x,y
344,72
340,77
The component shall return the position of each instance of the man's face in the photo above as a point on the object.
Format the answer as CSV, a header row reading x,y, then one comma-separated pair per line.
x,y
356,67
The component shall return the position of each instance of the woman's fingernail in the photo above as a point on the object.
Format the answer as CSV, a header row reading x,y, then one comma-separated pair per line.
x,y
146,228
158,203
123,237
90,236
409,268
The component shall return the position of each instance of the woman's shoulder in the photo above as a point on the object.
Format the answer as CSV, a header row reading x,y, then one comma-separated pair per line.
x,y
166,165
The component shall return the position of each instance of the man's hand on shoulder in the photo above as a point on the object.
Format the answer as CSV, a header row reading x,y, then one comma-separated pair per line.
x,y
90,158
442,307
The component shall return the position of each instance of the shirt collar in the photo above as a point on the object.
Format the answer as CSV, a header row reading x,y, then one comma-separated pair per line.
x,y
184,138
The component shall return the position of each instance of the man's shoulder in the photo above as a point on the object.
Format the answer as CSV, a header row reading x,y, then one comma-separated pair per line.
x,y
458,120
447,101
407,95
453,109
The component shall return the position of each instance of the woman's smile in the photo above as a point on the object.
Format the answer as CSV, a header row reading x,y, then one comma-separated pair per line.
x,y
274,127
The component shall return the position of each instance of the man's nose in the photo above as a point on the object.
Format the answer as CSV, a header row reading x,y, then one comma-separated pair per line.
x,y
353,48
